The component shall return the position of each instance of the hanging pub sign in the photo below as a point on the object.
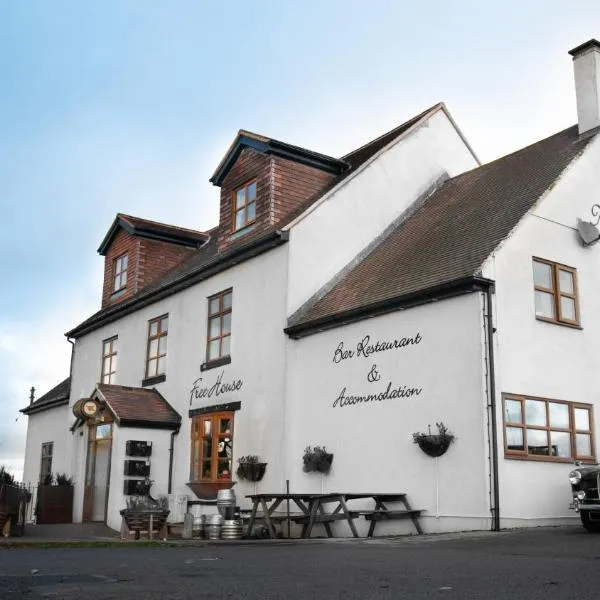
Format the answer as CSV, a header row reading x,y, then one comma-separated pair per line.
x,y
85,408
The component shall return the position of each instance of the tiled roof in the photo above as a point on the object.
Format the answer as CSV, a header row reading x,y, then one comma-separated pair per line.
x,y
207,260
153,229
139,406
57,396
450,235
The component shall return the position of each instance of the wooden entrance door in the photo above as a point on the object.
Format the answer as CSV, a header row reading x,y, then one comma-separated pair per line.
x,y
97,472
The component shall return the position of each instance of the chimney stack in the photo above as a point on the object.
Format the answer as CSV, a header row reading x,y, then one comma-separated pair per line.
x,y
586,63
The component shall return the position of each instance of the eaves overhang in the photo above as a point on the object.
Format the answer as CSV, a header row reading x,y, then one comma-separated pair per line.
x,y
450,289
275,148
172,235
34,409
228,260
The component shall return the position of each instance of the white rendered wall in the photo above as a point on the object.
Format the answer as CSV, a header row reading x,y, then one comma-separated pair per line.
x,y
543,359
337,229
258,360
46,426
372,442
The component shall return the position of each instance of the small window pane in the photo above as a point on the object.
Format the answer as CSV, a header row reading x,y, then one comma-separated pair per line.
x,y
239,219
224,469
124,278
583,443
124,263
512,411
206,469
544,304
559,415
251,212
114,363
542,275
152,368
162,365
207,427
537,442
153,328
213,349
240,198
164,324
252,192
535,412
114,345
226,320
514,438
103,431
566,282
162,345
582,419
225,426
225,346
106,367
213,306
207,448
106,348
227,300
117,283
561,443
152,351
567,308
215,327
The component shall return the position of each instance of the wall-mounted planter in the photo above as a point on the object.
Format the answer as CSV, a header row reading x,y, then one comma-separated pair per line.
x,y
251,471
434,444
316,459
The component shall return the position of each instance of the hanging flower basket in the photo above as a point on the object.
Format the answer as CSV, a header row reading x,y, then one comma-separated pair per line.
x,y
434,444
250,469
316,459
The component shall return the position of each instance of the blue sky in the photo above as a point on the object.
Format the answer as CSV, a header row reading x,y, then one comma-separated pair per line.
x,y
129,105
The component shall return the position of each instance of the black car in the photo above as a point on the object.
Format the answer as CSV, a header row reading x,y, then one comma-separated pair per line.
x,y
585,483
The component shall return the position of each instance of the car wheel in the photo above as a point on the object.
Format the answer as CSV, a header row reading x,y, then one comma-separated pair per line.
x,y
588,524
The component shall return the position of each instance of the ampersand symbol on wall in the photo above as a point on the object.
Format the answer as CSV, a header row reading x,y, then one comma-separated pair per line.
x,y
373,375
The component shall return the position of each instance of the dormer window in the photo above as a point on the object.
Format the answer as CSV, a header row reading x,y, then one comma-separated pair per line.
x,y
120,273
244,205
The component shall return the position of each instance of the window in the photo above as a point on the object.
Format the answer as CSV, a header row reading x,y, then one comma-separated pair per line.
x,y
212,447
156,361
109,360
244,205
555,292
219,326
541,429
46,462
120,273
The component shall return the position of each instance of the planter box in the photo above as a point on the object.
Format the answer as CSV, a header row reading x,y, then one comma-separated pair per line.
x,y
145,520
55,504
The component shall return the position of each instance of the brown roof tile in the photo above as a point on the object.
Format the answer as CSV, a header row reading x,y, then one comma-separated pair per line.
x,y
57,396
451,234
139,406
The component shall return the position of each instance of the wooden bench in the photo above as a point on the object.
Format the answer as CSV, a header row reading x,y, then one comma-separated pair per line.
x,y
383,515
326,518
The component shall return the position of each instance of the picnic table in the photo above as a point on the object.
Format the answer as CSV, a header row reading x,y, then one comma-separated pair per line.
x,y
326,509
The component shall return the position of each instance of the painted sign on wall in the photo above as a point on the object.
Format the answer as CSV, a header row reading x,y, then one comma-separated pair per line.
x,y
201,390
363,350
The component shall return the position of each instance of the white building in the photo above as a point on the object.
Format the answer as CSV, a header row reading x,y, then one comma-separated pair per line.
x,y
351,303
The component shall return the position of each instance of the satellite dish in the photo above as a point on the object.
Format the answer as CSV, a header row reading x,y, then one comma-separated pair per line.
x,y
589,233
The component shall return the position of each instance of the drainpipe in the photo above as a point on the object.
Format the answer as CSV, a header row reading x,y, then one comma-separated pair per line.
x,y
490,337
171,448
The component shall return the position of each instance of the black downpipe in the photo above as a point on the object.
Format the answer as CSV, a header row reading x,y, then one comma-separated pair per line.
x,y
171,448
490,336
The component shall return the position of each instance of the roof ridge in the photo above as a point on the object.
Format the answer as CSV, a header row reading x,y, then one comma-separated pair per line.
x,y
394,129
515,152
151,221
